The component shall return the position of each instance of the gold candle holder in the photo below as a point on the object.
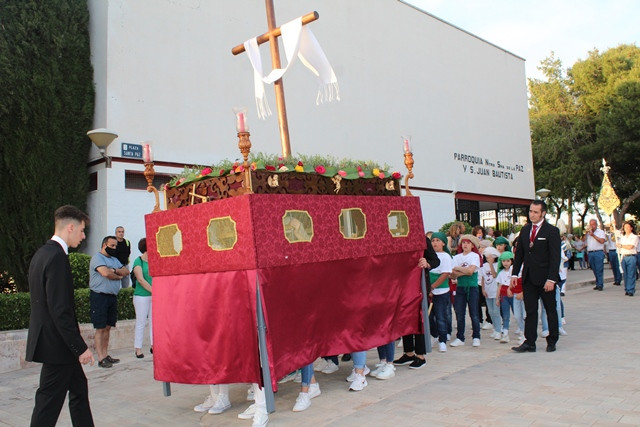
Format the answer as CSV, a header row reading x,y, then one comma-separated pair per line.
x,y
244,144
149,174
408,162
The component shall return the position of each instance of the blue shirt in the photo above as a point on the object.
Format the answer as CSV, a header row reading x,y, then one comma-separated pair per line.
x,y
99,283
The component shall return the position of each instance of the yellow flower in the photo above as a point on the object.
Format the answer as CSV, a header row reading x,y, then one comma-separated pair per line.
x,y
376,172
299,168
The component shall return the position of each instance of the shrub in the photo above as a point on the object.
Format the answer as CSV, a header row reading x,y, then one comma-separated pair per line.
x,y
80,269
15,309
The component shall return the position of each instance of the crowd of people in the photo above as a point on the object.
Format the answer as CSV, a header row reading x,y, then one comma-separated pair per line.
x,y
521,277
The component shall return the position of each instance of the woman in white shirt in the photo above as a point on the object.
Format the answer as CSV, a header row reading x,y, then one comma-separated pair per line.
x,y
626,245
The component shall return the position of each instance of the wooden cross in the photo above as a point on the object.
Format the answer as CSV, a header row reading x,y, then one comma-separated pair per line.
x,y
271,37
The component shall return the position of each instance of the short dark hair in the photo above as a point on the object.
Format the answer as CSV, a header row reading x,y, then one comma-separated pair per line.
x,y
106,239
632,224
142,245
541,203
67,212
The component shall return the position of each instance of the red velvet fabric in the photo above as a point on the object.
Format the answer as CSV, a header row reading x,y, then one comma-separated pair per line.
x,y
205,324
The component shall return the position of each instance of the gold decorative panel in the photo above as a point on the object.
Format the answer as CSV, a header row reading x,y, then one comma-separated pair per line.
x,y
298,226
398,223
169,240
222,234
353,223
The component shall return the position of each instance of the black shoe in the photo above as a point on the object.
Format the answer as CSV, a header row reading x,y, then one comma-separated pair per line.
x,y
523,348
346,357
104,363
404,360
561,294
596,288
551,348
629,294
112,360
151,350
417,363
139,356
616,284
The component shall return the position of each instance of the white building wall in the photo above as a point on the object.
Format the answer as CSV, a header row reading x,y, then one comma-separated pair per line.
x,y
164,72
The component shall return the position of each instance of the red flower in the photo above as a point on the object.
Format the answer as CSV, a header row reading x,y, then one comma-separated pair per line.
x,y
396,175
360,174
222,172
270,167
342,173
300,164
280,165
381,175
320,169
206,171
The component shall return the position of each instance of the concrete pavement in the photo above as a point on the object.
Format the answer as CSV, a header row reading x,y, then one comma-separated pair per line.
x,y
593,379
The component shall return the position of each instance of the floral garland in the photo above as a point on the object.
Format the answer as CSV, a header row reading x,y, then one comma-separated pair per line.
x,y
325,166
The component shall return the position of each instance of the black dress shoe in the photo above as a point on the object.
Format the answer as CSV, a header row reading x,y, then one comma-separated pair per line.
x,y
523,348
616,284
112,360
346,357
151,350
597,288
140,356
551,348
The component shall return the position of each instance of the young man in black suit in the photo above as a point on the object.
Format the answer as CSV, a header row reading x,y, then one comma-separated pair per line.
x,y
54,336
538,247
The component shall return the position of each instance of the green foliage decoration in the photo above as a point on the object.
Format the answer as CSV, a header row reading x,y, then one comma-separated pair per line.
x,y
46,108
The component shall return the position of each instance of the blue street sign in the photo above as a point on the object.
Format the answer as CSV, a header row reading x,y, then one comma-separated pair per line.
x,y
133,151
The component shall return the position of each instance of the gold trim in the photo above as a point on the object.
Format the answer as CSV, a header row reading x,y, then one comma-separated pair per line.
x,y
235,234
342,227
296,232
399,230
166,247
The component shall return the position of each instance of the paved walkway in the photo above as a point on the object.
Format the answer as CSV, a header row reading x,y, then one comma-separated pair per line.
x,y
593,379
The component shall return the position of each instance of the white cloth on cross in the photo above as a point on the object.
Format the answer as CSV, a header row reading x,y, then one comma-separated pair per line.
x,y
299,42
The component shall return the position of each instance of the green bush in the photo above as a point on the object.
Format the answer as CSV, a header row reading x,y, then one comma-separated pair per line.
x,y
80,269
15,309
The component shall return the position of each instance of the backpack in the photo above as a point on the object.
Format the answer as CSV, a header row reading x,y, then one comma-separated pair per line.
x,y
133,279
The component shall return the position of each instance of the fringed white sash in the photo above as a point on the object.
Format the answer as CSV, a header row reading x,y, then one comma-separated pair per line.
x,y
299,42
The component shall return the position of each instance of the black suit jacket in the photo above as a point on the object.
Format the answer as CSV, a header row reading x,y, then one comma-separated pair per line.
x,y
54,335
542,260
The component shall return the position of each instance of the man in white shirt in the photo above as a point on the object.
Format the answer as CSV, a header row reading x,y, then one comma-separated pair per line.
x,y
595,251
612,255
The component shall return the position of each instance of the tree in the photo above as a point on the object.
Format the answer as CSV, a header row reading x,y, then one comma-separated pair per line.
x,y
46,107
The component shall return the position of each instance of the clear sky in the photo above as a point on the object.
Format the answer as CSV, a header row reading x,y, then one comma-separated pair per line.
x,y
532,29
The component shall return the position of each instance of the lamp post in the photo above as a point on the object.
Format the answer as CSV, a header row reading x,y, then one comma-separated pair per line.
x,y
543,193
102,138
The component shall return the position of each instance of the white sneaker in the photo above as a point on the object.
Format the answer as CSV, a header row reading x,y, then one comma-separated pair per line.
x,y
314,390
260,419
442,347
378,369
287,378
298,377
434,340
505,337
521,339
250,395
562,331
330,368
207,404
457,343
476,342
319,367
353,374
496,335
545,334
358,383
221,405
302,402
564,321
388,371
518,331
486,325
248,413
448,337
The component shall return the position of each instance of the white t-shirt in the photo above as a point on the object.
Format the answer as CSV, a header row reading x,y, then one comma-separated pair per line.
x,y
462,260
446,264
504,277
490,284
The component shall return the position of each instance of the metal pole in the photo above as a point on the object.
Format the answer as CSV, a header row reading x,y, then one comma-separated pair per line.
x,y
264,356
425,310
166,389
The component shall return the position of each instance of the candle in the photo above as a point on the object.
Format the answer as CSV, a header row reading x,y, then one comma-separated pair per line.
x,y
241,119
407,144
147,155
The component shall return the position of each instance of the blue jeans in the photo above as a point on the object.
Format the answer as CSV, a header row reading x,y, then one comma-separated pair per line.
x,y
440,318
359,359
629,268
494,312
615,266
506,306
307,374
518,312
387,351
559,310
467,296
596,262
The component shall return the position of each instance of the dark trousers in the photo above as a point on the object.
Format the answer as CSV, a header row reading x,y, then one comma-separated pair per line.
x,y
440,316
415,343
531,295
55,382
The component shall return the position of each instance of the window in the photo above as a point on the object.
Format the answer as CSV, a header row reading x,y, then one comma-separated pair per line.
x,y
222,233
398,223
135,180
298,226
353,223
93,181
